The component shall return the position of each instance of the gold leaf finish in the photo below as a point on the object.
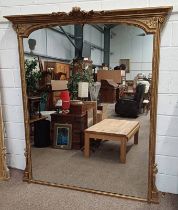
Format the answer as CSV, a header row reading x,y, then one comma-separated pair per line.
x,y
4,172
146,18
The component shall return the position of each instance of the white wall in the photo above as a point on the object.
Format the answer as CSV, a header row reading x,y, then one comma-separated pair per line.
x,y
51,43
126,44
95,37
54,44
167,138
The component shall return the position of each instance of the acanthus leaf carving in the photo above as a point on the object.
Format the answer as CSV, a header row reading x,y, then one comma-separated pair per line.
x,y
21,28
151,23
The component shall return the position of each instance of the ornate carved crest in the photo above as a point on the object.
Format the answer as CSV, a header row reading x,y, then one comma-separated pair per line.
x,y
75,13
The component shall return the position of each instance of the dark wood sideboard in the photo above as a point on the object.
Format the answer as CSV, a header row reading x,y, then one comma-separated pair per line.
x,y
78,122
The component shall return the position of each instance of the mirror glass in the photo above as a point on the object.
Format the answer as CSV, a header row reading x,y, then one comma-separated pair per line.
x,y
52,51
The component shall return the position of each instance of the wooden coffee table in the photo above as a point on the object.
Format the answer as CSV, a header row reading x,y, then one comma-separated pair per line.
x,y
112,129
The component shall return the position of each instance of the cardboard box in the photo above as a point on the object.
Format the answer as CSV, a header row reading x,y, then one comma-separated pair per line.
x,y
59,84
114,75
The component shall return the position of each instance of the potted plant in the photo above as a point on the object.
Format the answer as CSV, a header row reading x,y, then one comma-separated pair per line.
x,y
32,76
83,75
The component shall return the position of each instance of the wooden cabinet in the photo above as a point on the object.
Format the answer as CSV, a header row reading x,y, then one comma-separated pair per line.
x,y
34,107
79,124
60,70
109,91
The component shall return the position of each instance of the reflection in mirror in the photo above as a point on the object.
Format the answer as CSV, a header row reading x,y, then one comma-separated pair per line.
x,y
120,58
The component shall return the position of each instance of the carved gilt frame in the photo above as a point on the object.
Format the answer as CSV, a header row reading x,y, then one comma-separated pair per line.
x,y
4,172
151,20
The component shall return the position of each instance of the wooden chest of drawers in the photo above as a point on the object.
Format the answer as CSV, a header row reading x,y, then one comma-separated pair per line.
x,y
79,124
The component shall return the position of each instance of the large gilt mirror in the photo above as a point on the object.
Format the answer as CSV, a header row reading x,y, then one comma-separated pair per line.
x,y
109,39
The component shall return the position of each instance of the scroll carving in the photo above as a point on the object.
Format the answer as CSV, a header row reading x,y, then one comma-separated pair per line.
x,y
154,188
26,172
5,169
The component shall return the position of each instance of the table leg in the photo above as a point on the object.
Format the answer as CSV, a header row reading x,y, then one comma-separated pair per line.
x,y
136,137
123,151
87,146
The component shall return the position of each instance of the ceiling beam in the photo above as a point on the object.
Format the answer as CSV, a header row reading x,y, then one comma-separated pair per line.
x,y
106,57
72,37
68,37
99,28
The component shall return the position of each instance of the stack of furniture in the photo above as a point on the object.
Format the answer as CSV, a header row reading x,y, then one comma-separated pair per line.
x,y
81,116
78,122
60,70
